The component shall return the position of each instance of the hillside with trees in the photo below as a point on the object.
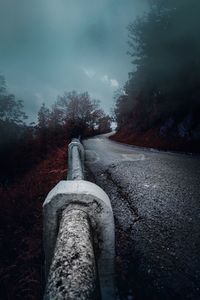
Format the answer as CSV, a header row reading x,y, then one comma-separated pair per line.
x,y
159,106
33,158
21,145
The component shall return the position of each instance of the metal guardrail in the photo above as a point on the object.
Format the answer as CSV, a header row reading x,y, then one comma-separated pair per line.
x,y
78,236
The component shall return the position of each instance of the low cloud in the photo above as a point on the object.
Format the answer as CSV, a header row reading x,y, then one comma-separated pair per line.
x,y
89,73
114,83
105,78
111,81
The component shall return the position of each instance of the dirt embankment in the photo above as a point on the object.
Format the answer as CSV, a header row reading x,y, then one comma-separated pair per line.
x,y
153,139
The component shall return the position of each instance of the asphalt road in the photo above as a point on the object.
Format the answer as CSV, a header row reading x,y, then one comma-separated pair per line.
x,y
156,203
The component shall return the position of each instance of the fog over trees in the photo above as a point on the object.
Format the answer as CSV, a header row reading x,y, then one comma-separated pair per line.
x,y
21,145
162,90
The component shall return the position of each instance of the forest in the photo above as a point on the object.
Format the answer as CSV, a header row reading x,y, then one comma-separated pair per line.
x,y
159,106
33,158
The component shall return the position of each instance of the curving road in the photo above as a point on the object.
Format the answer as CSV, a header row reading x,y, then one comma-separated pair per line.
x,y
156,202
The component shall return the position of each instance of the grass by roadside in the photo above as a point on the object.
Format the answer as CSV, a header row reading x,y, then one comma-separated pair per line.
x,y
21,248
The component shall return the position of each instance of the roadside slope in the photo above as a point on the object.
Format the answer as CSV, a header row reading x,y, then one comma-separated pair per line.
x,y
152,139
21,259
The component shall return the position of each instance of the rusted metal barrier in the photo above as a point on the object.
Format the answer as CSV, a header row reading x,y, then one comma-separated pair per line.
x,y
78,236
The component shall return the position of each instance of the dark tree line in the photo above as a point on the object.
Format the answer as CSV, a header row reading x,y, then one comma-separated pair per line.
x,y
21,145
163,89
74,114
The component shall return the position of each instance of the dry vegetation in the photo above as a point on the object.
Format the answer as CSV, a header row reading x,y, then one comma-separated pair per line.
x,y
21,271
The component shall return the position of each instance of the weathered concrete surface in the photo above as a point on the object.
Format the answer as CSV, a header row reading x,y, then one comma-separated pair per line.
x,y
95,203
73,270
75,160
77,169
155,198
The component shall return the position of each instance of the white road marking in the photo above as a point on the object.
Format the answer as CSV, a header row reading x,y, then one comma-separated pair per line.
x,y
133,157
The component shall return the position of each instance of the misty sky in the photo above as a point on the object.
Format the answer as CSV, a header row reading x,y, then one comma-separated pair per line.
x,y
51,46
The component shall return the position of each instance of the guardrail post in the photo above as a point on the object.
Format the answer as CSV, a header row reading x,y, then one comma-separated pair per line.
x,y
73,276
78,237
